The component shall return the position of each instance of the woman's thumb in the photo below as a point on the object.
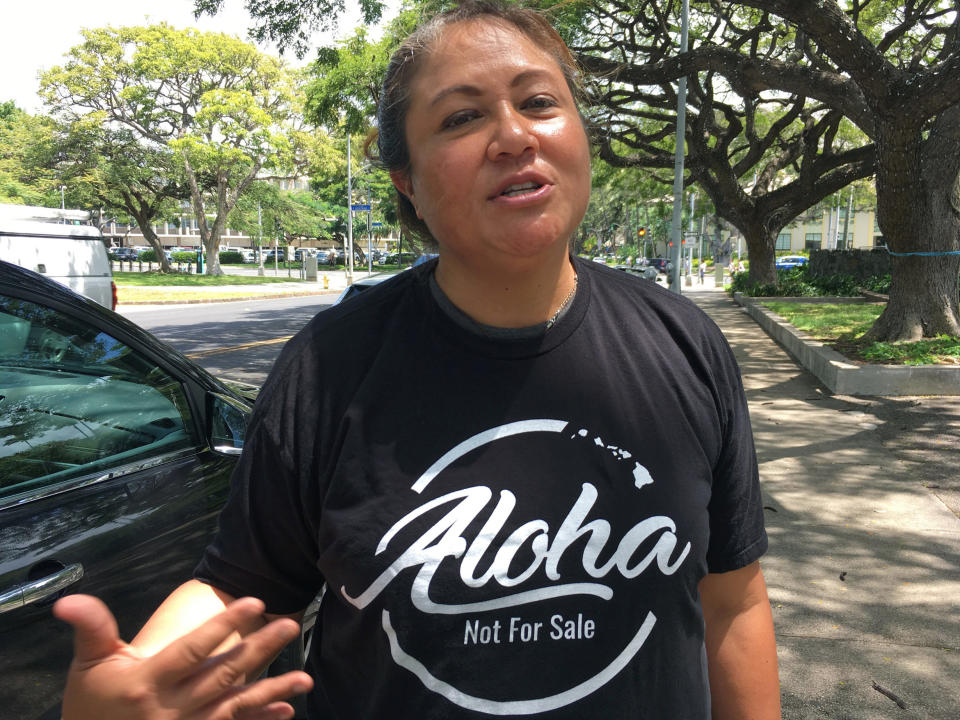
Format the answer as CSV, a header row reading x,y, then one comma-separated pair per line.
x,y
95,634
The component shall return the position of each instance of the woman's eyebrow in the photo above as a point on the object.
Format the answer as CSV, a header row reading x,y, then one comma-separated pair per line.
x,y
471,90
474,91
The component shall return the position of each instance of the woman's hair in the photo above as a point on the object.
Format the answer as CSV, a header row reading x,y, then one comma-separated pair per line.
x,y
390,137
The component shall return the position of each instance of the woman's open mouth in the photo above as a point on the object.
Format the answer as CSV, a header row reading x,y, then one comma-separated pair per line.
x,y
521,189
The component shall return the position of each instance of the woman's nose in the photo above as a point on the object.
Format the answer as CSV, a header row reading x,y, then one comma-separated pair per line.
x,y
514,134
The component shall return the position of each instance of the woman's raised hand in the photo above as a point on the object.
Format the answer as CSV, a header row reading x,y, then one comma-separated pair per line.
x,y
188,678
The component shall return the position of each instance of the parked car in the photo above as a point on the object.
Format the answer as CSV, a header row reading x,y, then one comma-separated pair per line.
x,y
360,286
268,255
123,254
115,458
662,265
249,255
791,261
645,271
393,257
424,258
300,253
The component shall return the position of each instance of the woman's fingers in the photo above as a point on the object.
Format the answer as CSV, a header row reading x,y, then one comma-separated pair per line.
x,y
95,634
262,700
234,667
184,656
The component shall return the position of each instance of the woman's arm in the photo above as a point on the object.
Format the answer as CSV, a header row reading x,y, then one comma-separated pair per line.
x,y
741,649
192,659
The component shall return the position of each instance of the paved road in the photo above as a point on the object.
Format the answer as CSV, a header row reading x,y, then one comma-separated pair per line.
x,y
235,340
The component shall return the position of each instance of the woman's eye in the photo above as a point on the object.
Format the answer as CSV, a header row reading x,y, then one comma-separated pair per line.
x,y
539,102
458,119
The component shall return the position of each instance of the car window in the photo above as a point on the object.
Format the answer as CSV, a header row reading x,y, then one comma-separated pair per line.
x,y
75,400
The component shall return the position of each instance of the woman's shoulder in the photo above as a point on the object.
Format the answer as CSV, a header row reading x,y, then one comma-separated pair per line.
x,y
351,328
645,306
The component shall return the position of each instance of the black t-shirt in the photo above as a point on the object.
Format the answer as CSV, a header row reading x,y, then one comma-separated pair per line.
x,y
505,527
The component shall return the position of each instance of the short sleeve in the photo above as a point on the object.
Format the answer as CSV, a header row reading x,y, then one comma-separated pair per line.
x,y
265,544
737,534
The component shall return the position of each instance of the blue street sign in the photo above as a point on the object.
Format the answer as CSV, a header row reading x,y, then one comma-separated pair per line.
x,y
357,208
376,224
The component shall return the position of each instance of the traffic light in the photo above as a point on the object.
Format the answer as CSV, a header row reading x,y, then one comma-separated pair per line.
x,y
641,232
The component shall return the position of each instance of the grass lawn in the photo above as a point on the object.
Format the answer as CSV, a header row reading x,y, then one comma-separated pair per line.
x,y
155,279
841,326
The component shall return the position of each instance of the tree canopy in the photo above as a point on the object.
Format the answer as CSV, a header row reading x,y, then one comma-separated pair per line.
x,y
27,153
224,109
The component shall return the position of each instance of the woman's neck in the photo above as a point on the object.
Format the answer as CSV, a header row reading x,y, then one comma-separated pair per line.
x,y
509,297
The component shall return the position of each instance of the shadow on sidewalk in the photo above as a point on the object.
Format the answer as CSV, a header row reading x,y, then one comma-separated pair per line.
x,y
864,560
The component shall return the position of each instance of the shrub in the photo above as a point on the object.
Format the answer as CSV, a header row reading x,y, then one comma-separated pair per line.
x,y
148,255
184,256
799,282
878,284
231,256
836,285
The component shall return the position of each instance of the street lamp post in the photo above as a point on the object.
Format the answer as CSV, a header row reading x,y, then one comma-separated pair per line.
x,y
349,259
369,235
676,231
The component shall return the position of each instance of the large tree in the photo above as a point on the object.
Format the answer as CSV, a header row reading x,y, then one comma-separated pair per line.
x,y
119,172
899,67
221,106
762,157
892,69
27,156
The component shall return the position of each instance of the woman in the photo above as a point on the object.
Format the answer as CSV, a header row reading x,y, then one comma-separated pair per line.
x,y
532,485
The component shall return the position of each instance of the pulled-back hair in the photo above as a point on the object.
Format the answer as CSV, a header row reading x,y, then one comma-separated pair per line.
x,y
392,152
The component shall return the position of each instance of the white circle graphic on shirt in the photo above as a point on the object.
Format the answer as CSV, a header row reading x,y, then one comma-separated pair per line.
x,y
516,707
447,539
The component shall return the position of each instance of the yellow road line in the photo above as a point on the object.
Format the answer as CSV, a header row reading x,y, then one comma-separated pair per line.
x,y
232,348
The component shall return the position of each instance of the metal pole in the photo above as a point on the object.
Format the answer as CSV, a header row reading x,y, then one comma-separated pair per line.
x,y
369,235
675,229
846,221
689,261
259,240
348,261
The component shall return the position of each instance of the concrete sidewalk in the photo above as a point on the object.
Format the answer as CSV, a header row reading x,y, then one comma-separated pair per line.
x,y
861,503
333,281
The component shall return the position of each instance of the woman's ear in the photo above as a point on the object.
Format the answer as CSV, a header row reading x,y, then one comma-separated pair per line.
x,y
404,184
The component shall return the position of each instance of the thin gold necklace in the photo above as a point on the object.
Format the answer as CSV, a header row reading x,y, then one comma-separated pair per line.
x,y
566,301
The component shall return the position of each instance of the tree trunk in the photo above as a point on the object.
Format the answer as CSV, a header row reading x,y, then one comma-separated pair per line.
x,y
916,184
211,244
199,211
151,237
761,242
923,300
144,222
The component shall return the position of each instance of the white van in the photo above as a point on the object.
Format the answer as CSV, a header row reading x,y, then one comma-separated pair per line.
x,y
73,255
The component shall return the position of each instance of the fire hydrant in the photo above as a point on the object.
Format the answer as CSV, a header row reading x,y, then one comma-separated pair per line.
x,y
326,281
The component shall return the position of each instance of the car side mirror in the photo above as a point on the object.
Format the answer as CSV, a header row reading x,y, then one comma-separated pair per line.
x,y
228,424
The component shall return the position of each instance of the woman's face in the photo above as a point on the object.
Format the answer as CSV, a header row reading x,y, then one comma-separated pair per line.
x,y
500,163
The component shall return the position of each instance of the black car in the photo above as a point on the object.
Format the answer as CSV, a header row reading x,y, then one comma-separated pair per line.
x,y
661,264
124,254
115,457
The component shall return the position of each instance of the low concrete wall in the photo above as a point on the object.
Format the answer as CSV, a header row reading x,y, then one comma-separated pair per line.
x,y
842,376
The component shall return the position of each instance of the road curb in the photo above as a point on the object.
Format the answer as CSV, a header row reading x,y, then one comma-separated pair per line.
x,y
840,375
245,298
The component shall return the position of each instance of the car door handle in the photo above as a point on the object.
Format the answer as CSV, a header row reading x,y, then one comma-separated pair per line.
x,y
40,589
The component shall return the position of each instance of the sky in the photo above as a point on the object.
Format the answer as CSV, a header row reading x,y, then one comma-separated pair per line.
x,y
37,33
